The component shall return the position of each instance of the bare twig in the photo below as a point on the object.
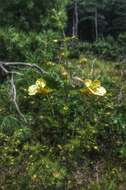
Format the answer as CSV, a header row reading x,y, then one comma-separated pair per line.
x,y
3,68
14,98
78,79
9,69
8,72
22,64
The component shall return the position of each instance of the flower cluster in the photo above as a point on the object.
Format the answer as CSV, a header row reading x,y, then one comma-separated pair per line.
x,y
91,87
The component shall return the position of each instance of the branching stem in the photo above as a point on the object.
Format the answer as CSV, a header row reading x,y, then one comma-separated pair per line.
x,y
9,69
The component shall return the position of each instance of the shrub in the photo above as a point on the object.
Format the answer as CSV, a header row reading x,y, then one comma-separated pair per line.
x,y
69,131
105,48
27,47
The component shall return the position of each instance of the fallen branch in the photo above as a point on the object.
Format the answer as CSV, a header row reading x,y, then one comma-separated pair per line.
x,y
14,98
10,69
18,65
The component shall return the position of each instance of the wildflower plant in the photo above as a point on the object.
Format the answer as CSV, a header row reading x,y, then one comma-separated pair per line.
x,y
90,86
39,88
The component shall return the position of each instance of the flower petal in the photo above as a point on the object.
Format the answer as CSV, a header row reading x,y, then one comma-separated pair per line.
x,y
40,83
85,91
44,91
87,82
95,84
32,90
101,91
83,60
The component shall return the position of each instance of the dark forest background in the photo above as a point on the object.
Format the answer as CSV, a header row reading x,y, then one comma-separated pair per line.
x,y
34,15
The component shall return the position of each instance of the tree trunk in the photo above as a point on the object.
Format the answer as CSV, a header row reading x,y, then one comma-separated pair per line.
x,y
96,23
75,19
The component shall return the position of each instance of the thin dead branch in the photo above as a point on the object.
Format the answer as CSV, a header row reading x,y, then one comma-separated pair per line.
x,y
19,65
14,98
10,69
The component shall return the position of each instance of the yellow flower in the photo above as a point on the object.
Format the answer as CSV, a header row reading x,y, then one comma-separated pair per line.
x,y
55,40
65,108
62,54
83,60
93,87
56,174
64,72
39,88
50,63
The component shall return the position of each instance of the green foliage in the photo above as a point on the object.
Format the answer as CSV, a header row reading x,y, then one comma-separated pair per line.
x,y
67,132
34,163
30,47
106,48
31,15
